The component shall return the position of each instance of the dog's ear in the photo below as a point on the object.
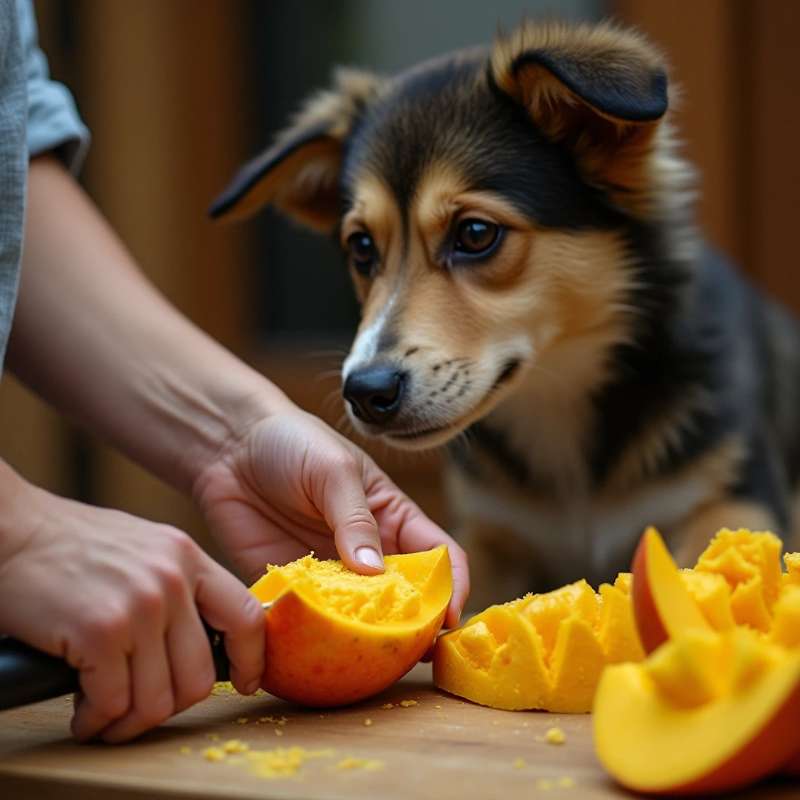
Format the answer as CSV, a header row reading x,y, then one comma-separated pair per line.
x,y
599,90
299,173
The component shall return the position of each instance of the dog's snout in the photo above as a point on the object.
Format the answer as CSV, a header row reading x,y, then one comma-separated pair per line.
x,y
375,393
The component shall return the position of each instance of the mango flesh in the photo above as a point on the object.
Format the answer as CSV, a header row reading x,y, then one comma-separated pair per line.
x,y
334,637
737,581
543,651
706,712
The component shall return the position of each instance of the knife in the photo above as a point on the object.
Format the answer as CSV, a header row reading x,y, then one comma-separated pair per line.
x,y
28,675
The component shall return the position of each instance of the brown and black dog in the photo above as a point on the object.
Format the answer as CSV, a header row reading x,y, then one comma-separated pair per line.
x,y
518,225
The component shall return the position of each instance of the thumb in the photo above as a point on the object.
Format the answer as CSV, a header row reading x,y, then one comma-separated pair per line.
x,y
344,506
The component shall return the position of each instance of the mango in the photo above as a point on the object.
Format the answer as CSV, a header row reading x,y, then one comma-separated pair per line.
x,y
716,705
708,711
542,651
334,637
737,581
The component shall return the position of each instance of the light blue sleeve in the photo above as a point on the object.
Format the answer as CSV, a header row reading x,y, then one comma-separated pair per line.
x,y
53,121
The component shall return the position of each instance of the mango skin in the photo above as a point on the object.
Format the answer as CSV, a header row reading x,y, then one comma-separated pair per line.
x,y
661,602
315,657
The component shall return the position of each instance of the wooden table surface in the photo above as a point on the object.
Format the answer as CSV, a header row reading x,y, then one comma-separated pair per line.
x,y
439,748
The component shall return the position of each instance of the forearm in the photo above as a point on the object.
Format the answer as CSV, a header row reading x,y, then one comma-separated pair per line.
x,y
93,337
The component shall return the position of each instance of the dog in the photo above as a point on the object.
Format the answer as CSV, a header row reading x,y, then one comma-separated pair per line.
x,y
535,296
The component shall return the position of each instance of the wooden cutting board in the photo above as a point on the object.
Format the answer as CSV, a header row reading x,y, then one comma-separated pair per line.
x,y
440,747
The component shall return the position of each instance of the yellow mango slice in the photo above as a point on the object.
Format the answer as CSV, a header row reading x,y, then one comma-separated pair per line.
x,y
543,651
706,712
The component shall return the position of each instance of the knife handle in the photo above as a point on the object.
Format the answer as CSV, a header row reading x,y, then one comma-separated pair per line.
x,y
28,675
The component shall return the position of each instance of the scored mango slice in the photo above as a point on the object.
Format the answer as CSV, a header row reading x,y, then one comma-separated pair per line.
x,y
334,637
737,581
542,651
706,712
716,705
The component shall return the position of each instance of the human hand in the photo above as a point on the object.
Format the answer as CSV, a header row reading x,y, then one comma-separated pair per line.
x,y
291,484
120,599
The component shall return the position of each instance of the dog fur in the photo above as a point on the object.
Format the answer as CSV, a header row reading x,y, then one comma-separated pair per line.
x,y
596,369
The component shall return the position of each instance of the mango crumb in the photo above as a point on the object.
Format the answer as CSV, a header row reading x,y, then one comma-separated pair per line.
x,y
212,737
408,703
367,764
214,754
185,751
281,762
223,687
367,722
555,736
242,721
437,706
278,732
519,763
235,746
544,784
565,783
387,706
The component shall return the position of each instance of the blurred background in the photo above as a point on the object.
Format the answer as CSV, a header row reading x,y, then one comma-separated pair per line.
x,y
178,93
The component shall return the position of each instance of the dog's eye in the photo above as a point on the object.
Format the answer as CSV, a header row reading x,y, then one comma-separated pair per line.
x,y
475,236
363,252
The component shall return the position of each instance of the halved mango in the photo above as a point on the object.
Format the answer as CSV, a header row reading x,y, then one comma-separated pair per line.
x,y
334,637
706,712
542,651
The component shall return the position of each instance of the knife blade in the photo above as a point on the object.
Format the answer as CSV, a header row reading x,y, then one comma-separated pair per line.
x,y
28,675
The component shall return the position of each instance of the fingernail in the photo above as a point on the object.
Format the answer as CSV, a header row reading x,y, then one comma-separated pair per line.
x,y
252,687
369,557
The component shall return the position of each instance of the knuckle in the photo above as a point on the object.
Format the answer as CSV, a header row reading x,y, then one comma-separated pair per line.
x,y
196,689
361,518
159,709
113,706
343,462
149,601
170,577
105,626
180,541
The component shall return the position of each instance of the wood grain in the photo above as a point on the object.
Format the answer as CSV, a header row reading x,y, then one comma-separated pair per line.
x,y
441,748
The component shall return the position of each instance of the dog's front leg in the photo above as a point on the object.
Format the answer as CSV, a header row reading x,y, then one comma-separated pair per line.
x,y
501,564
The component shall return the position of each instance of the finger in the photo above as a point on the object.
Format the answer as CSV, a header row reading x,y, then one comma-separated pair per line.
x,y
227,606
151,685
416,532
189,654
460,566
105,695
355,531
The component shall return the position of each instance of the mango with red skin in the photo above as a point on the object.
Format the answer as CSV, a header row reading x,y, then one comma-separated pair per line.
x,y
318,656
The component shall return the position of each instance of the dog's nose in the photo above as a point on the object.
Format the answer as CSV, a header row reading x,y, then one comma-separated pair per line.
x,y
374,393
